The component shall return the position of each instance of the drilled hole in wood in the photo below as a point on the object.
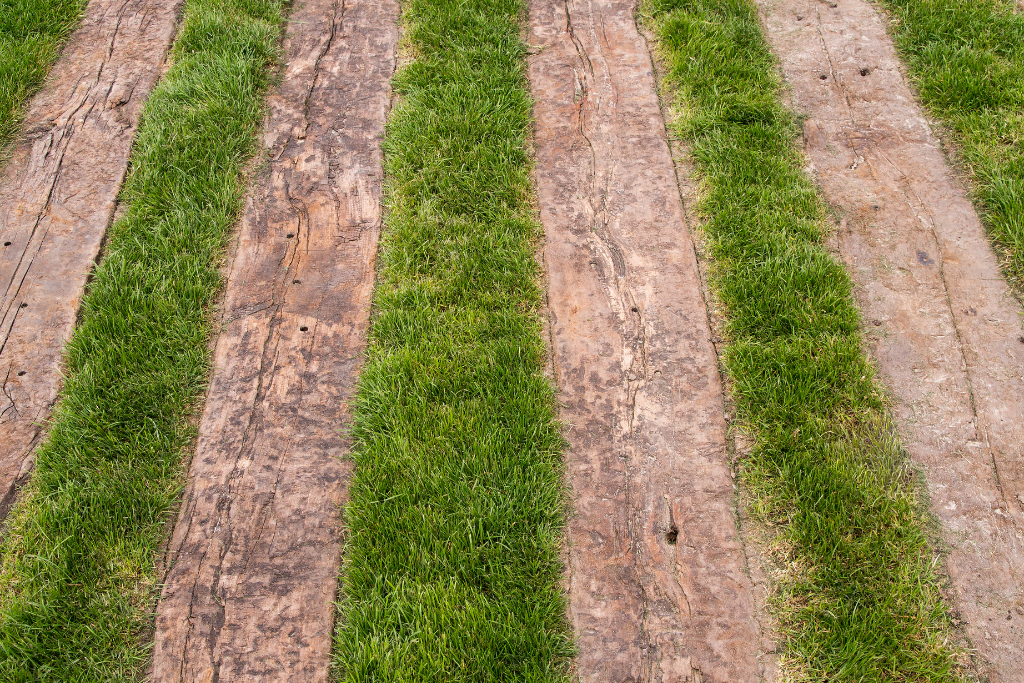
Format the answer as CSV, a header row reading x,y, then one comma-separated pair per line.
x,y
7,244
865,71
290,235
673,535
24,305
21,373
296,282
635,309
823,77
303,329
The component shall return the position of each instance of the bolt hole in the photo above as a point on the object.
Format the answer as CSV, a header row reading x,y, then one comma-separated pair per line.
x,y
823,77
865,71
7,244
296,282
24,305
303,329
290,235
635,309
21,373
799,17
673,535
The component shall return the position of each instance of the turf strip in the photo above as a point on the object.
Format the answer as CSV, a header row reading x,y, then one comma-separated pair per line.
x,y
78,576
966,59
452,568
32,33
856,595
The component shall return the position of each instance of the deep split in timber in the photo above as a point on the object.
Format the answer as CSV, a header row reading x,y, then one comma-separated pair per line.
x,y
656,570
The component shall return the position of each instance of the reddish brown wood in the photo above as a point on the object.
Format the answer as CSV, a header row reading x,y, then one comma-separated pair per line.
x,y
255,556
657,584
943,326
57,196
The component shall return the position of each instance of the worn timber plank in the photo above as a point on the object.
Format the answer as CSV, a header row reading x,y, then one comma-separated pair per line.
x,y
943,326
657,584
58,191
254,558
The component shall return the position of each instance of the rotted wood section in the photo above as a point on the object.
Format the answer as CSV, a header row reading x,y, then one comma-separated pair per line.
x,y
255,555
657,584
58,191
942,325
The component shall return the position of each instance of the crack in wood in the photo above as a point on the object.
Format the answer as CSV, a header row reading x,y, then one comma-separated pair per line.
x,y
252,589
636,370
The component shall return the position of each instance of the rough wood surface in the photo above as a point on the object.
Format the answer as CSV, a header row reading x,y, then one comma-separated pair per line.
x,y
656,571
255,556
57,196
943,327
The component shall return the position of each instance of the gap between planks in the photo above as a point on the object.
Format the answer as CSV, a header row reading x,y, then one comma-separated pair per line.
x,y
254,559
58,192
942,325
657,585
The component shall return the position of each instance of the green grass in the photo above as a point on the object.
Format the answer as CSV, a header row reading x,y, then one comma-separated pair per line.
x,y
77,585
452,568
857,593
32,33
966,58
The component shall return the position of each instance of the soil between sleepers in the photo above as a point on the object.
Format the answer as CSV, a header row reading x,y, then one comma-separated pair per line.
x,y
77,579
254,557
58,191
857,595
945,329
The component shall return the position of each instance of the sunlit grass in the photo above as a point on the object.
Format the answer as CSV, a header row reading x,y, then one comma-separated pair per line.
x,y
452,568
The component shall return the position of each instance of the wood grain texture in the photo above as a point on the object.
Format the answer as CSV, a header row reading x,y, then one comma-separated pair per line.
x,y
57,197
942,325
657,584
255,555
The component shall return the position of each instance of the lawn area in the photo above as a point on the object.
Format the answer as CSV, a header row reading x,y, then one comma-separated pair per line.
x,y
966,59
452,568
77,582
857,594
32,33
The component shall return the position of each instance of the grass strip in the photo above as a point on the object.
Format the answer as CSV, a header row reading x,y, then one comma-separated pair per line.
x,y
78,582
966,59
452,567
32,33
857,597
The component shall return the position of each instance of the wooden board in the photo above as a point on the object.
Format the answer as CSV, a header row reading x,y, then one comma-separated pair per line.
x,y
255,555
57,196
656,570
943,326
